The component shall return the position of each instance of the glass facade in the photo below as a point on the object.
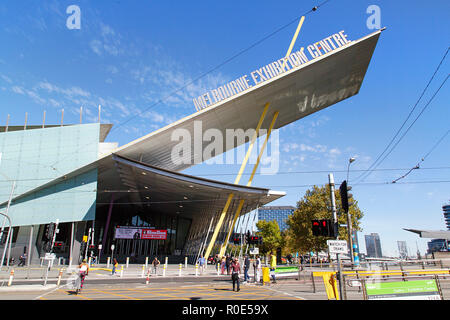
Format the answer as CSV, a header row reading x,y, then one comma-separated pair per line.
x,y
128,215
279,214
373,245
33,157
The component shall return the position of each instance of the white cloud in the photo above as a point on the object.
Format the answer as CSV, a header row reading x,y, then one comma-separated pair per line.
x,y
109,42
7,79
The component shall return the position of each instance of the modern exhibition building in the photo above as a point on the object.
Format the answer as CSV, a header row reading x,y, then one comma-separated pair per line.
x,y
135,196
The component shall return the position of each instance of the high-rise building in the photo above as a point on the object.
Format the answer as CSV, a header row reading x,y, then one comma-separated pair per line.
x,y
437,245
446,209
278,213
402,249
373,245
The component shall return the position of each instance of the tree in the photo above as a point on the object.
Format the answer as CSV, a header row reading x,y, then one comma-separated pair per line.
x,y
270,232
316,204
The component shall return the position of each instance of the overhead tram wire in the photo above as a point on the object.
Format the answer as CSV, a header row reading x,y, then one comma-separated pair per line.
x,y
404,122
403,135
423,158
216,67
374,183
258,173
221,64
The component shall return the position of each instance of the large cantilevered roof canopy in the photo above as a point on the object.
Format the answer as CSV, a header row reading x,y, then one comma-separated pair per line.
x,y
167,191
432,234
296,93
130,182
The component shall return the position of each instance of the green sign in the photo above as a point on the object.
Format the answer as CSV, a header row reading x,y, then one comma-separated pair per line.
x,y
403,290
286,269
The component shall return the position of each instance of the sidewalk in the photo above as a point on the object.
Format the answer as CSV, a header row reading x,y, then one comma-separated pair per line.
x,y
36,274
33,278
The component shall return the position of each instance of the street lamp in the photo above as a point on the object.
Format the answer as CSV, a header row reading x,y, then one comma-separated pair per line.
x,y
348,167
349,221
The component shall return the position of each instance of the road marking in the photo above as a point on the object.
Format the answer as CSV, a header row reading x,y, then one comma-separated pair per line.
x,y
51,291
114,294
301,298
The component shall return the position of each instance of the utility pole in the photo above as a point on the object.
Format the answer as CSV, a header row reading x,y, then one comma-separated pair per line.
x,y
336,228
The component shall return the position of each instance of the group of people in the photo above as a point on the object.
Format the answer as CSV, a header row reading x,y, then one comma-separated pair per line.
x,y
227,263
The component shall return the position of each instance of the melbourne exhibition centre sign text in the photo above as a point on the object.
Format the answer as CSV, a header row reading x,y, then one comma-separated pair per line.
x,y
271,70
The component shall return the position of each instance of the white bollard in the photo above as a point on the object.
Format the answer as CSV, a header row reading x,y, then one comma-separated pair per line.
x,y
107,262
146,262
148,277
185,262
143,271
166,261
218,269
164,270
11,276
59,277
196,269
89,262
121,272
179,271
128,260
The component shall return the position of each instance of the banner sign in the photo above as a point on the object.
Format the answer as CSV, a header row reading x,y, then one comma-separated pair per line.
x,y
140,233
271,70
403,290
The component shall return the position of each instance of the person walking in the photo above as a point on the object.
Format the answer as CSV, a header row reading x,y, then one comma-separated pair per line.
x,y
201,263
228,264
257,266
114,266
22,259
83,272
235,271
222,265
273,266
246,267
155,264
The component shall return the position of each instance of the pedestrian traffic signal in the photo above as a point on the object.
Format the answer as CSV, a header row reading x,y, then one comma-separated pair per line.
x,y
324,228
49,231
345,196
254,240
82,247
48,246
247,237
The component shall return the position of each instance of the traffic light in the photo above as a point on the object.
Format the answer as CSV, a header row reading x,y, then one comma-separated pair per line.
x,y
48,246
345,196
49,231
316,228
237,240
82,248
324,228
247,237
254,240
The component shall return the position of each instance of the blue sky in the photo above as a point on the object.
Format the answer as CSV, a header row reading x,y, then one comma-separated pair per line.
x,y
127,55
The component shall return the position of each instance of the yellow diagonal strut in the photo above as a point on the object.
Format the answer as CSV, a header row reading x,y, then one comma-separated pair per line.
x,y
241,202
236,181
293,40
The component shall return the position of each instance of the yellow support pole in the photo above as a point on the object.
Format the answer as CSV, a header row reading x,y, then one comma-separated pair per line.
x,y
250,148
241,202
236,181
293,40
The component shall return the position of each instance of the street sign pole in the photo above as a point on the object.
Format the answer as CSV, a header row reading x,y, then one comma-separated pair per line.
x,y
336,228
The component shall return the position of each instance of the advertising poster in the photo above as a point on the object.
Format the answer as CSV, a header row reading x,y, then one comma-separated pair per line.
x,y
140,233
